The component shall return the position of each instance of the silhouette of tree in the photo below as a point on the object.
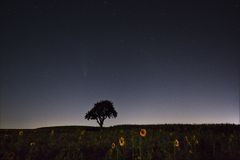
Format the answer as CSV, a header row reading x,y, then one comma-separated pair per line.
x,y
101,110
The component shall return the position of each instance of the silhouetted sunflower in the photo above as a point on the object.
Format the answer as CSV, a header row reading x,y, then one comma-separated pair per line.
x,y
121,141
143,132
113,145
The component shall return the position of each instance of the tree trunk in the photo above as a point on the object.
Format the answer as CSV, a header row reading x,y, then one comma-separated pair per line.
x,y
100,121
101,124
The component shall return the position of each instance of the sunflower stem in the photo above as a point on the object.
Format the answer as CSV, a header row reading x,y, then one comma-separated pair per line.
x,y
174,152
117,153
133,148
140,148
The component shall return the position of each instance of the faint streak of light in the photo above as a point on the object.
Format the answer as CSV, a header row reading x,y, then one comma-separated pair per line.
x,y
84,68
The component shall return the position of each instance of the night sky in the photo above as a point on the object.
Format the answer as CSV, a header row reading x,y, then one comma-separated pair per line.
x,y
158,61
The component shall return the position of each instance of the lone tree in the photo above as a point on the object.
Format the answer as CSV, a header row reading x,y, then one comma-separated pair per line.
x,y
101,111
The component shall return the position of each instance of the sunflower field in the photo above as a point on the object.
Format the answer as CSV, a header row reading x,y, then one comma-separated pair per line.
x,y
125,142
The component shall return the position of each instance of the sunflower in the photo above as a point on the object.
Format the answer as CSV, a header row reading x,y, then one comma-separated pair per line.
x,y
143,132
190,151
20,133
32,144
113,145
121,141
176,143
196,141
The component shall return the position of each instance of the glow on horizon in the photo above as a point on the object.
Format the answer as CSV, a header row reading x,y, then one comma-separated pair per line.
x,y
149,116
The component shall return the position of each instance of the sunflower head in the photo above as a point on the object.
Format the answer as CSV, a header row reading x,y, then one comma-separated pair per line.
x,y
121,141
32,144
196,142
176,143
113,145
20,133
143,132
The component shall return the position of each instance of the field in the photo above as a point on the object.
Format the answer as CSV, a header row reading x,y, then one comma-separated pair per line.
x,y
125,142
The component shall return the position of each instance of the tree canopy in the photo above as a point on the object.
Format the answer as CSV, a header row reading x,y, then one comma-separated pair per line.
x,y
101,110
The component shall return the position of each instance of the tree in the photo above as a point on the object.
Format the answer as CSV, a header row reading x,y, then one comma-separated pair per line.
x,y
101,110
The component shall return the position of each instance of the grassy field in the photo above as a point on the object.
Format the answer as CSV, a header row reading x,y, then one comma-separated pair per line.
x,y
156,142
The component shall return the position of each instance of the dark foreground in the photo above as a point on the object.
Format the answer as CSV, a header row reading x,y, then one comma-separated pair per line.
x,y
159,142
